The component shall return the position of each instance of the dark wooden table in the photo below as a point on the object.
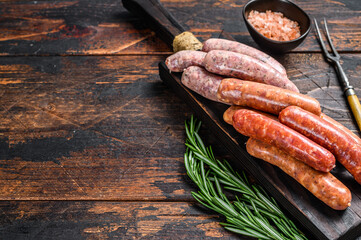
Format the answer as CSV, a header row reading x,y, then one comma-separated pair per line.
x,y
92,141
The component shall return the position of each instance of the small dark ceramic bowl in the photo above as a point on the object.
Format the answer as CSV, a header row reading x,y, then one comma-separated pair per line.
x,y
289,10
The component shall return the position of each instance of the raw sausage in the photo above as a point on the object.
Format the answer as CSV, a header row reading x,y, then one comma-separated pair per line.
x,y
263,97
341,127
233,46
245,67
260,127
241,66
347,152
202,82
324,186
179,61
228,114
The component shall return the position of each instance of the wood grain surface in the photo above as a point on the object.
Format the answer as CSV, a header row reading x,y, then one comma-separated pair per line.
x,y
119,220
104,27
92,141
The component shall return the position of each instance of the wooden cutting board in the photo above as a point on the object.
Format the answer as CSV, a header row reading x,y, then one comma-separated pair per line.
x,y
320,220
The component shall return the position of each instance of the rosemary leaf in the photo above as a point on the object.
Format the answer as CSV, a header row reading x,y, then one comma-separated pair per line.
x,y
246,233
254,214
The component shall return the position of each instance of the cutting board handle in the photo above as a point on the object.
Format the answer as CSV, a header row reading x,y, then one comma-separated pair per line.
x,y
158,18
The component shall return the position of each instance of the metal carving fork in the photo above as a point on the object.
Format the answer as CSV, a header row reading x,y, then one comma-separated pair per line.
x,y
347,88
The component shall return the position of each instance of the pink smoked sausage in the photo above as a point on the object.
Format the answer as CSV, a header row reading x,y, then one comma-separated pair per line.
x,y
244,67
347,152
202,82
263,97
233,46
260,127
179,61
324,186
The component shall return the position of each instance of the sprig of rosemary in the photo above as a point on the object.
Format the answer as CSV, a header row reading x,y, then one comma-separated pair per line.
x,y
254,214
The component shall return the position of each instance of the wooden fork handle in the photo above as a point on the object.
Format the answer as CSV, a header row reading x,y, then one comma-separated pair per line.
x,y
355,105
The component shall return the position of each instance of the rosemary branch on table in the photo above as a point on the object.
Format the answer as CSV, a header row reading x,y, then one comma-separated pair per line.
x,y
254,213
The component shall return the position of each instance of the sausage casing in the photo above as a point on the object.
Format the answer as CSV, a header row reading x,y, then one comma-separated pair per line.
x,y
263,97
347,152
202,82
341,127
244,67
324,186
260,127
228,114
179,61
233,46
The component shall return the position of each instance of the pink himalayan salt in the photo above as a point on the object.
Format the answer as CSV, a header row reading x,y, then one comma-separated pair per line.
x,y
274,25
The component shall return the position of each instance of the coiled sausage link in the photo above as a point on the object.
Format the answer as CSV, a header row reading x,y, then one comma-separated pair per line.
x,y
202,82
341,127
228,114
324,186
179,61
244,67
233,46
260,127
347,152
263,97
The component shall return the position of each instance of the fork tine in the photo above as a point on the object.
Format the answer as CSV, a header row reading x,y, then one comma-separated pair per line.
x,y
330,40
321,40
